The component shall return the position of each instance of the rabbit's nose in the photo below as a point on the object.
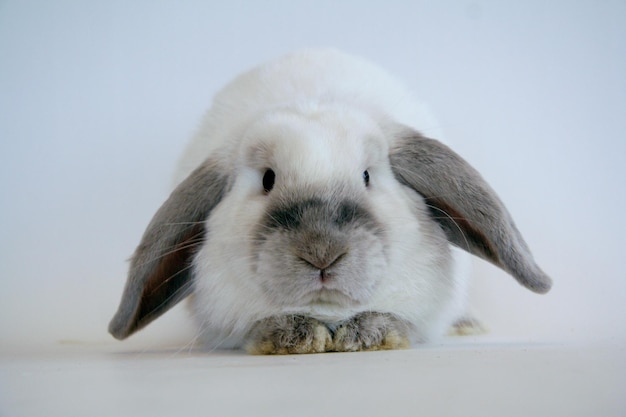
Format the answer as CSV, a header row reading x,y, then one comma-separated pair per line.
x,y
323,257
323,264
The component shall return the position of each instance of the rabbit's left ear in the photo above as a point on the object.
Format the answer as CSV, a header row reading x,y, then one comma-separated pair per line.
x,y
160,270
467,209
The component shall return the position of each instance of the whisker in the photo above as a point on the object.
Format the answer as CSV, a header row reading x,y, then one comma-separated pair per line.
x,y
460,229
185,287
189,244
183,223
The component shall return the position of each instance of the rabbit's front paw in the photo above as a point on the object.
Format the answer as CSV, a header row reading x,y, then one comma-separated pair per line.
x,y
371,331
283,335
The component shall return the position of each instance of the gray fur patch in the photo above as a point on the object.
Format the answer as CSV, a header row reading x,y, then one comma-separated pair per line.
x,y
319,212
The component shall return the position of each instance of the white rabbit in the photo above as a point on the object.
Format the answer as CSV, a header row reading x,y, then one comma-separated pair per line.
x,y
311,216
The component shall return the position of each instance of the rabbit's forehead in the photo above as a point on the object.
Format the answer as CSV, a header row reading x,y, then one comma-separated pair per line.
x,y
325,141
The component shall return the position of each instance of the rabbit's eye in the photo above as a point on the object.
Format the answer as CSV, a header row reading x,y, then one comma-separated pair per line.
x,y
268,180
366,178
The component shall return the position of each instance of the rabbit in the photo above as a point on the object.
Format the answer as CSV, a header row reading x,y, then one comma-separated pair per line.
x,y
311,215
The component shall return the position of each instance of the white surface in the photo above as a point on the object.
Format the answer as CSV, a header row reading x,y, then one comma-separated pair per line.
x,y
451,380
98,98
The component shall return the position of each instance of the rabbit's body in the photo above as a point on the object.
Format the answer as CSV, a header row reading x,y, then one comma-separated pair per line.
x,y
310,216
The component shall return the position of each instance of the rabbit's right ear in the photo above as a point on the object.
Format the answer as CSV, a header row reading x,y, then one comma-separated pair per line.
x,y
160,271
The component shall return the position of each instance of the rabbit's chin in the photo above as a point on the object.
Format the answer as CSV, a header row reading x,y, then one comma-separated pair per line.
x,y
326,297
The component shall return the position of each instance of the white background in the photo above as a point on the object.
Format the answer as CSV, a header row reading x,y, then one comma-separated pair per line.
x,y
97,100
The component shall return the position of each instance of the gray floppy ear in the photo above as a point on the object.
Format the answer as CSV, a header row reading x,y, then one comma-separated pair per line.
x,y
159,275
468,210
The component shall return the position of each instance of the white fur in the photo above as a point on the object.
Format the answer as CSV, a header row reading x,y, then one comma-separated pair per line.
x,y
326,115
299,79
